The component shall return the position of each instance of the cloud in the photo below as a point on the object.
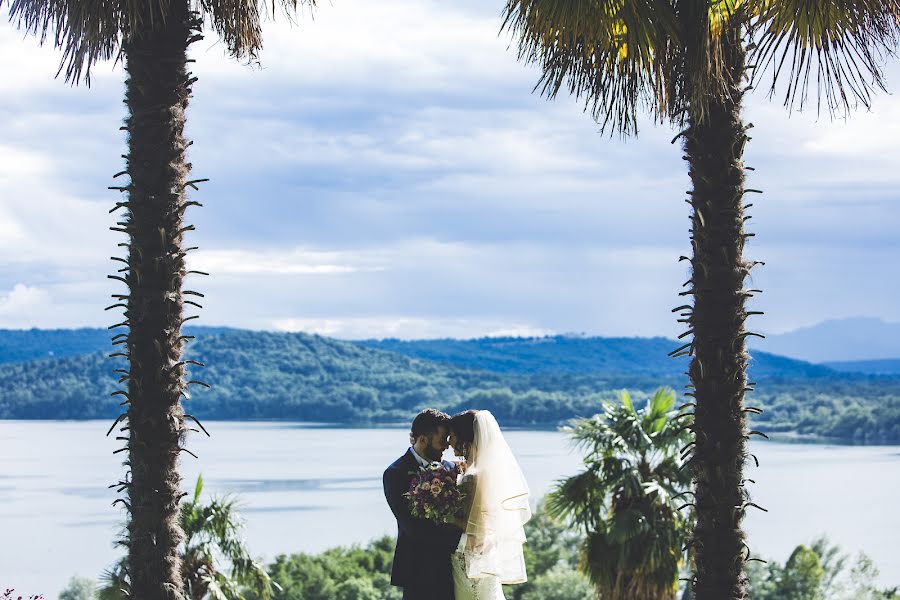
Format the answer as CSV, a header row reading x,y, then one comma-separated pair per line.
x,y
392,46
393,326
42,222
21,305
281,262
433,287
388,167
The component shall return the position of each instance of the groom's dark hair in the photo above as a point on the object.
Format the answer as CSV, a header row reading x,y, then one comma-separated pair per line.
x,y
428,421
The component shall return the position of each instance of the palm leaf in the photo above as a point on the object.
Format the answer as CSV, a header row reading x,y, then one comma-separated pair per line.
x,y
578,498
602,50
198,488
844,39
656,417
662,402
625,398
88,31
601,561
626,525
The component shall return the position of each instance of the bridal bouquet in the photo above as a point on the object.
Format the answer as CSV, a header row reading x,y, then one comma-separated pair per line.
x,y
434,495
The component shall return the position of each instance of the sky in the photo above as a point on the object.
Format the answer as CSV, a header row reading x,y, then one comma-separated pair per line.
x,y
386,171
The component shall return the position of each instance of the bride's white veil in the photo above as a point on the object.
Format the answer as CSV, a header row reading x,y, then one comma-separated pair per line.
x,y
500,506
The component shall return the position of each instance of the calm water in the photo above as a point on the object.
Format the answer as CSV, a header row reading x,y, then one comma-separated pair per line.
x,y
306,488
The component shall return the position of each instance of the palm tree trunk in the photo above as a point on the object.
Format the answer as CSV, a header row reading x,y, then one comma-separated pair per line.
x,y
714,148
157,92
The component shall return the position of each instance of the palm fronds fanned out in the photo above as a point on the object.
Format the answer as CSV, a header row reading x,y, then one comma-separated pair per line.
x,y
668,56
846,40
89,31
625,499
602,50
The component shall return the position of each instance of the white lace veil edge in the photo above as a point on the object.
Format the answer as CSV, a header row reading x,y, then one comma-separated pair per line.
x,y
500,506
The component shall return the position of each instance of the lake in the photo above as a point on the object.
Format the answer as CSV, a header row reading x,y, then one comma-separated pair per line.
x,y
306,488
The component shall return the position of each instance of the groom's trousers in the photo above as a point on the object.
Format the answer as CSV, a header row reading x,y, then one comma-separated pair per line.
x,y
430,593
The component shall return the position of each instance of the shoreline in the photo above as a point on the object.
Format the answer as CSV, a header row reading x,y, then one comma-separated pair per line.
x,y
784,437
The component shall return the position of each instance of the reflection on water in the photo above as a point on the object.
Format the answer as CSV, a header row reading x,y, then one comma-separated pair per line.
x,y
309,487
242,486
274,509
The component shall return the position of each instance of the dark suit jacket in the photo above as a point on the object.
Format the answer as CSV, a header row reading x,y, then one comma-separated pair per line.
x,y
422,556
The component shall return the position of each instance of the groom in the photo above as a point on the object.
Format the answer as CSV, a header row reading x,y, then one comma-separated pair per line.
x,y
422,558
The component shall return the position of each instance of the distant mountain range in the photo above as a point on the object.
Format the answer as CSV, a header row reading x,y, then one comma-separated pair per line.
x,y
840,340
887,366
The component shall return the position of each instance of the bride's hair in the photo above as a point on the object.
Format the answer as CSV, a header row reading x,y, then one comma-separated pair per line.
x,y
463,424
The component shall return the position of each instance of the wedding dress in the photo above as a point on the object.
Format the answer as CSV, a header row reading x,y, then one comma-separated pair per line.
x,y
490,553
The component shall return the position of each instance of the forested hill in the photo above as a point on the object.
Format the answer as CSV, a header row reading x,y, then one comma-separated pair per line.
x,y
19,345
302,377
579,355
556,354
258,375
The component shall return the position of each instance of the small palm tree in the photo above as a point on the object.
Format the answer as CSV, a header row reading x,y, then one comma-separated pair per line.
x,y
626,498
212,537
152,36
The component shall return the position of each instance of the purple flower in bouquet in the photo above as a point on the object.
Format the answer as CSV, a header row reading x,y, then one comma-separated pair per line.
x,y
434,495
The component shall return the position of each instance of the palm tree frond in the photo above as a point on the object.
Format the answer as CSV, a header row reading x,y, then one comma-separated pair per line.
x,y
846,40
198,488
662,402
576,497
625,398
625,525
602,50
602,561
217,589
238,22
88,31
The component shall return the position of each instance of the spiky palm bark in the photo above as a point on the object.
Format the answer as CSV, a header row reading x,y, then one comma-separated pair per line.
x,y
153,36
157,92
714,144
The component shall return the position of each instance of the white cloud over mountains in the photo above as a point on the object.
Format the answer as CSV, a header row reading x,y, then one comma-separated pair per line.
x,y
23,302
390,326
387,171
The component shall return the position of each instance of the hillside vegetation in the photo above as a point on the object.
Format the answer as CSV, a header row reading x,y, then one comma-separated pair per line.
x,y
540,382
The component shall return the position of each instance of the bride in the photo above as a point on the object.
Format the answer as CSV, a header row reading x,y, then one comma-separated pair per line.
x,y
490,551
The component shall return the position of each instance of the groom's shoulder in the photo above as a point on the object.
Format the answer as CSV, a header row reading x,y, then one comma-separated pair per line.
x,y
399,464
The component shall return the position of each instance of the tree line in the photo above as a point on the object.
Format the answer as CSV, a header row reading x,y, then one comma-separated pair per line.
x,y
258,375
